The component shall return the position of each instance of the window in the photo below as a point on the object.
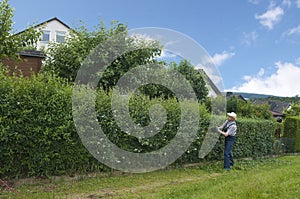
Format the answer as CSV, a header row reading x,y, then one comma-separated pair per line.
x,y
60,36
46,36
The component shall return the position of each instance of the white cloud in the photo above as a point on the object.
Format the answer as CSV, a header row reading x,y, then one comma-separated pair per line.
x,y
247,77
261,72
166,55
143,37
298,61
287,3
210,64
219,59
271,17
292,31
255,2
298,3
282,83
249,38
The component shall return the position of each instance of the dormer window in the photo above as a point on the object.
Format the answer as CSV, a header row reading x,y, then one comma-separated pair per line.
x,y
60,36
46,36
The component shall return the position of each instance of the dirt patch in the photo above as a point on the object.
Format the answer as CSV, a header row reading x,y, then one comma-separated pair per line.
x,y
102,195
111,192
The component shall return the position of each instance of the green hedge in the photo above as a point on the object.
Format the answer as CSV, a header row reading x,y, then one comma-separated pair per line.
x,y
291,134
38,136
255,138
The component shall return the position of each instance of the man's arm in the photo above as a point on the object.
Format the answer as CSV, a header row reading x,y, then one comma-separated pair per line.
x,y
223,133
230,130
222,126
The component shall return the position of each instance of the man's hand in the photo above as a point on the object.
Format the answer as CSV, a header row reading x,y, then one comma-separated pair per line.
x,y
223,133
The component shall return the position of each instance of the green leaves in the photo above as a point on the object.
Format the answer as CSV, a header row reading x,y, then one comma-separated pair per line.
x,y
255,137
11,43
38,136
66,58
294,110
248,109
195,78
291,134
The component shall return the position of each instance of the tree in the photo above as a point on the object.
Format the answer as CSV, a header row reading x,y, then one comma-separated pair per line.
x,y
64,59
188,72
11,43
97,46
195,78
248,109
294,110
232,104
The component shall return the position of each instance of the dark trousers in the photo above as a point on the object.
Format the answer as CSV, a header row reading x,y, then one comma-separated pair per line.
x,y
228,160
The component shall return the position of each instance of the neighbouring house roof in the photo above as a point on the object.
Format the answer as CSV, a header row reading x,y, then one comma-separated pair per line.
x,y
276,107
260,102
51,30
238,96
210,82
32,53
45,22
275,114
279,107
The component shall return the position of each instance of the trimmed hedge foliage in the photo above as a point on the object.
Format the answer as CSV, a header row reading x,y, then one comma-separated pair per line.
x,y
38,136
255,138
291,134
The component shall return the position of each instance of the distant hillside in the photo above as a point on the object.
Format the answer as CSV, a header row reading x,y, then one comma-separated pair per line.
x,y
254,95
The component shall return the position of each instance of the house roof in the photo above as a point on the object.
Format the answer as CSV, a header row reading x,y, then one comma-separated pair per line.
x,y
238,96
210,82
45,22
260,101
279,107
32,53
276,107
276,114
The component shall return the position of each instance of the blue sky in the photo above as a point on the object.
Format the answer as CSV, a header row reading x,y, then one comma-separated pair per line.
x,y
255,44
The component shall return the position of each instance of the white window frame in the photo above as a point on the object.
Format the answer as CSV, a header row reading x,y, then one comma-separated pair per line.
x,y
60,34
49,33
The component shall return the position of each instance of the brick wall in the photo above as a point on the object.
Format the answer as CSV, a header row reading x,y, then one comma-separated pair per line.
x,y
26,65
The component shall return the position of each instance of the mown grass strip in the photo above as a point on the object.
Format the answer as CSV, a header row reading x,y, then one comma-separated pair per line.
x,y
266,178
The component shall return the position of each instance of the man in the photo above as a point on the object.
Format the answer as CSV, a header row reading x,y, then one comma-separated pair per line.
x,y
228,130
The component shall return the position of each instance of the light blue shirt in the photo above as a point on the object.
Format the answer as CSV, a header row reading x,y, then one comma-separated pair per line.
x,y
231,127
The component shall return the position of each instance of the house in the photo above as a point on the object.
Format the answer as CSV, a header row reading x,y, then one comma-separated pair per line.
x,y
53,30
277,108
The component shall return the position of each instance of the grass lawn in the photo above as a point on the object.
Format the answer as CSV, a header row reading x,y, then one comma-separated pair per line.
x,y
267,178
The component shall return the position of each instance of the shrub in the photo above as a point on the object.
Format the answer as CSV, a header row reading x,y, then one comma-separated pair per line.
x,y
291,134
255,138
38,136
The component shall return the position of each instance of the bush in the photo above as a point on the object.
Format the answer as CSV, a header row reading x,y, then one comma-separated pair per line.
x,y
255,138
38,136
291,134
